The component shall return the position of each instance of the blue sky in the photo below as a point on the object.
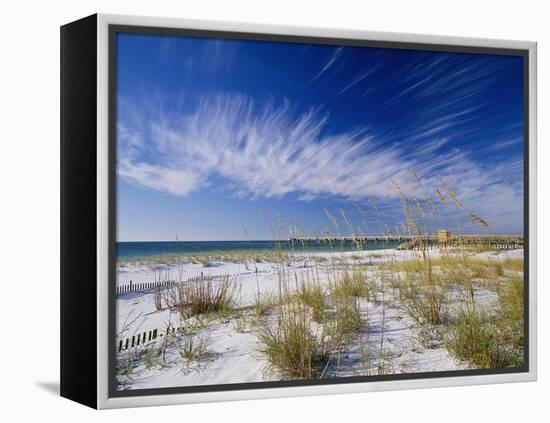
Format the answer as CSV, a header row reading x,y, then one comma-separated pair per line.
x,y
223,139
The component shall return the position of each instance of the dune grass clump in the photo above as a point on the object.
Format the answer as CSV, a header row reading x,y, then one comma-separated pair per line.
x,y
491,340
471,338
347,319
149,357
424,291
515,264
263,303
203,296
169,295
427,303
192,347
477,338
193,325
511,311
291,347
241,321
349,284
311,294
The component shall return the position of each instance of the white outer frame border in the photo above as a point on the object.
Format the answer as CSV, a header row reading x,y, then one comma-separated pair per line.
x,y
103,400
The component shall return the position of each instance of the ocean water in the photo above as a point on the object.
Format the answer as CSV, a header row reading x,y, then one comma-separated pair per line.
x,y
145,250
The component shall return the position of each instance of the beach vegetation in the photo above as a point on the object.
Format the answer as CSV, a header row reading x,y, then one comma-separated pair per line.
x,y
193,347
291,347
477,338
204,296
240,321
263,303
149,357
311,294
157,298
350,284
465,298
347,319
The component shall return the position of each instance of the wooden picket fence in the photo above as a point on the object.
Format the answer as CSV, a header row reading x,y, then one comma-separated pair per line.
x,y
138,339
133,287
153,335
147,286
146,337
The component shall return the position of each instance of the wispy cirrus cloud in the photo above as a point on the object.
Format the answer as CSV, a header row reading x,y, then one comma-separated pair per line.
x,y
362,76
161,178
265,151
335,55
505,144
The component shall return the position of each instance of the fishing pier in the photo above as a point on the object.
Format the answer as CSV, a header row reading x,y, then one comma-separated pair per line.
x,y
442,238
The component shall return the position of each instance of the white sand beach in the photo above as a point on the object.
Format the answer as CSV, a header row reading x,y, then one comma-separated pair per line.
x,y
389,343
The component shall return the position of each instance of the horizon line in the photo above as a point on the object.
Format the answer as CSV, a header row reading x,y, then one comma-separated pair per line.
x,y
320,237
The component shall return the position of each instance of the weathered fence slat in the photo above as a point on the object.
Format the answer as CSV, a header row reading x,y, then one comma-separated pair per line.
x,y
141,338
136,287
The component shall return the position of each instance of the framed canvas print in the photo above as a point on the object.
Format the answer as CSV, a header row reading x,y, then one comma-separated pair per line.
x,y
252,211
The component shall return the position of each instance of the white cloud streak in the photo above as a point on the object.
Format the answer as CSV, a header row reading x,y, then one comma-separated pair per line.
x,y
330,62
266,152
360,78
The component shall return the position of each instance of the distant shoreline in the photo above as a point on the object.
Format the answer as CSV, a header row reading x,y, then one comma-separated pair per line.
x,y
151,250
